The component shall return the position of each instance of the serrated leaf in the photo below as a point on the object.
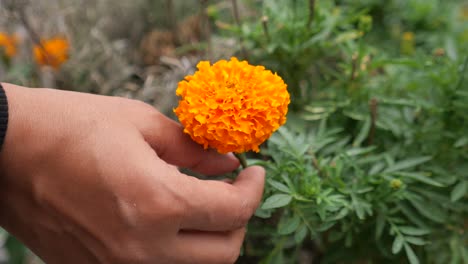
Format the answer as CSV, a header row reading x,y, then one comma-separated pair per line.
x,y
459,191
397,244
289,225
408,163
276,201
413,231
279,186
412,258
418,177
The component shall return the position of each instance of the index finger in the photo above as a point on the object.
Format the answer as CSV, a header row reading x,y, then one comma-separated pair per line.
x,y
220,206
172,145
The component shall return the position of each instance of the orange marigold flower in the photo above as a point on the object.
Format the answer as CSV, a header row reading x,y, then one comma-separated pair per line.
x,y
8,44
232,106
52,52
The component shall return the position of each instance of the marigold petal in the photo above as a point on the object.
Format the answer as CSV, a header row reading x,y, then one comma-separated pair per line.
x,y
232,106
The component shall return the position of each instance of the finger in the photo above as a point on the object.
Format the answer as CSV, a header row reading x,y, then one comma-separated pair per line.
x,y
220,206
172,145
210,247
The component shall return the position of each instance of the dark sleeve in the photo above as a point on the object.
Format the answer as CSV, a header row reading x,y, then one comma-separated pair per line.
x,y
3,115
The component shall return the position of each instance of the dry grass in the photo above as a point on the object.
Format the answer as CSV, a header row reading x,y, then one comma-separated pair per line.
x,y
124,48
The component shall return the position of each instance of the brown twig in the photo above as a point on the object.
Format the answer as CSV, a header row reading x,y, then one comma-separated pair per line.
x,y
265,27
19,11
171,16
373,114
316,165
235,11
205,27
311,13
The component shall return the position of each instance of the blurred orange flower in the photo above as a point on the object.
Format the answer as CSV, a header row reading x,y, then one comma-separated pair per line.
x,y
52,52
407,44
232,106
8,44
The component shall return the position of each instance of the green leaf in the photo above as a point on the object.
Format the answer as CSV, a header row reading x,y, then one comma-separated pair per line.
x,y
300,234
412,258
418,177
413,231
341,214
408,163
464,253
325,226
362,133
463,141
397,244
279,186
429,210
261,213
289,225
379,227
459,191
276,201
288,181
365,189
360,207
376,168
359,151
412,215
349,239
415,240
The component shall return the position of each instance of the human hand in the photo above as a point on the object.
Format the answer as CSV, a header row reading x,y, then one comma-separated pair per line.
x,y
87,179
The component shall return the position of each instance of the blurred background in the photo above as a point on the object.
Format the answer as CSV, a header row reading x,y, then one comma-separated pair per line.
x,y
337,57
137,49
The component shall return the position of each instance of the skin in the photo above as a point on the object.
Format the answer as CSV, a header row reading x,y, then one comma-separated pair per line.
x,y
93,179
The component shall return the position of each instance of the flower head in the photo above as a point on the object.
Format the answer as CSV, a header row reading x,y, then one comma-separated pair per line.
x,y
8,44
52,52
232,106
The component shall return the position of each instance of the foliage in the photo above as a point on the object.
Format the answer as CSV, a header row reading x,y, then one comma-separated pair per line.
x,y
372,165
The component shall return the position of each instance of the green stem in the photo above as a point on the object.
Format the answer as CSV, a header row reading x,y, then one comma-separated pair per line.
x,y
242,159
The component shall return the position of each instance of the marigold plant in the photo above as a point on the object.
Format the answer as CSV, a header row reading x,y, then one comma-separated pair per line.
x,y
232,106
8,44
52,52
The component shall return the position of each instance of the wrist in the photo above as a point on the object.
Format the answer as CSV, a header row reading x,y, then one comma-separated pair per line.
x,y
8,147
11,119
20,134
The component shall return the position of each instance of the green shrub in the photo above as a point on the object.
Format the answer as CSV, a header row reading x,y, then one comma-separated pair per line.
x,y
372,165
